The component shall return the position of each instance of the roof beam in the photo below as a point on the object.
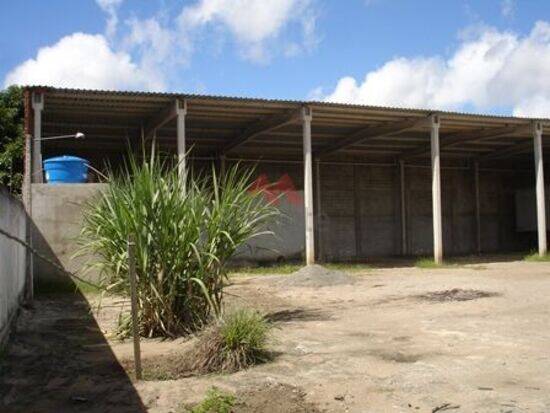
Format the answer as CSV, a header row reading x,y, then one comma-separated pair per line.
x,y
371,132
162,118
461,137
264,125
507,151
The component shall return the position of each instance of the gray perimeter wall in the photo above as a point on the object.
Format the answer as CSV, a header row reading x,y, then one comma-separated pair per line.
x,y
12,260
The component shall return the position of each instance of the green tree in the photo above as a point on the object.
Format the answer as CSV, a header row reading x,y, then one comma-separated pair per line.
x,y
11,138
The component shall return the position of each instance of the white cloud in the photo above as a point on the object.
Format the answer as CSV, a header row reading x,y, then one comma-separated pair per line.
x,y
254,23
110,7
507,8
83,61
489,69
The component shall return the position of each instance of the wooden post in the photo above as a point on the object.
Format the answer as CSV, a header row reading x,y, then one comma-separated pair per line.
x,y
38,106
318,209
478,207
436,190
134,303
403,208
222,165
181,110
541,202
308,185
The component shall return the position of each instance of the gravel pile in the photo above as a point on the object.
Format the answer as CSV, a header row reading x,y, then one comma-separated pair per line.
x,y
317,276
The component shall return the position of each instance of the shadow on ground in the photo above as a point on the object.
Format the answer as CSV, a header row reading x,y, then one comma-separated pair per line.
x,y
59,361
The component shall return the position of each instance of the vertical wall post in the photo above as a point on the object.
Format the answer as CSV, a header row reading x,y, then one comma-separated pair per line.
x,y
436,189
181,110
27,201
541,202
318,222
38,106
403,208
478,207
308,185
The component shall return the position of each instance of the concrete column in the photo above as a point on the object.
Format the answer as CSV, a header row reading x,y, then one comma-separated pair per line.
x,y
403,208
308,185
478,207
181,110
436,190
541,203
38,106
318,209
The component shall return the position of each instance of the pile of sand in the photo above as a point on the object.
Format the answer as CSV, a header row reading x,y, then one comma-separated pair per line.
x,y
317,276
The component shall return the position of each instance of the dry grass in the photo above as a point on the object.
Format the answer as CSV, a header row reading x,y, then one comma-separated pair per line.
x,y
234,343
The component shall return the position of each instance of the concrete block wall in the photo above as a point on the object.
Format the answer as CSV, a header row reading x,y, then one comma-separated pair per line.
x,y
361,211
57,219
13,260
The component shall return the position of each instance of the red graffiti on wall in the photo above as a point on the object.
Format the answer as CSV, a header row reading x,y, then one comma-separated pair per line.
x,y
283,187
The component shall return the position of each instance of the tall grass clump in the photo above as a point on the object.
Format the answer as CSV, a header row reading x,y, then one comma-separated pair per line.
x,y
234,342
185,233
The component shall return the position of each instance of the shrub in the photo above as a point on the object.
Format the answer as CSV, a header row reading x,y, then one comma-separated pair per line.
x,y
215,401
185,233
237,341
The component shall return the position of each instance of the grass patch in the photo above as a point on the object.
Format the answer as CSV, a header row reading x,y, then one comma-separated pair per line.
x,y
291,268
535,257
215,401
265,269
239,340
64,286
427,263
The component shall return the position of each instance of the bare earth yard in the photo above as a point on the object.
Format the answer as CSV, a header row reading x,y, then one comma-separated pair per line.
x,y
385,343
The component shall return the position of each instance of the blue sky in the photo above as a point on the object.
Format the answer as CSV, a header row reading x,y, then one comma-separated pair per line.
x,y
484,55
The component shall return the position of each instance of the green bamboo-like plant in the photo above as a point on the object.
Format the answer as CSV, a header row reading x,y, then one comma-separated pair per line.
x,y
185,234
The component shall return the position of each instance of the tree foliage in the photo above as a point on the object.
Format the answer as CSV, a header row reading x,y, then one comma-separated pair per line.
x,y
11,138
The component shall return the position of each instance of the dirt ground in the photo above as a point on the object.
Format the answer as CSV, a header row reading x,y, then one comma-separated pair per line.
x,y
473,338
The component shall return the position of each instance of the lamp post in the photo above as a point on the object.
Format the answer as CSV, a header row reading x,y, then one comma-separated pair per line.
x,y
77,135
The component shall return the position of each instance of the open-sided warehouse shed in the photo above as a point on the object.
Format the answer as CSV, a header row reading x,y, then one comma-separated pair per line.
x,y
376,181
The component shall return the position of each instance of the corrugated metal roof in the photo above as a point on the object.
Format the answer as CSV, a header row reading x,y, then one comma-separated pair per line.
x,y
325,104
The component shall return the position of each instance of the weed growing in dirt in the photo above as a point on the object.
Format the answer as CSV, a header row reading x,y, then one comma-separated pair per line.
x,y
237,341
215,401
535,257
184,238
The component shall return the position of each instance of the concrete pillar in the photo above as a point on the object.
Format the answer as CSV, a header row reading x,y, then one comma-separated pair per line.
x,y
308,185
436,190
318,210
181,110
38,106
403,208
539,172
478,207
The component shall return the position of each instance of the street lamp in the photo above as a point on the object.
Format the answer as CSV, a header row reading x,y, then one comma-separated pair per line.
x,y
77,135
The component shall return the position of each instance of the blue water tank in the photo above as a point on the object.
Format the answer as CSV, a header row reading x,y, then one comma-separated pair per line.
x,y
66,170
